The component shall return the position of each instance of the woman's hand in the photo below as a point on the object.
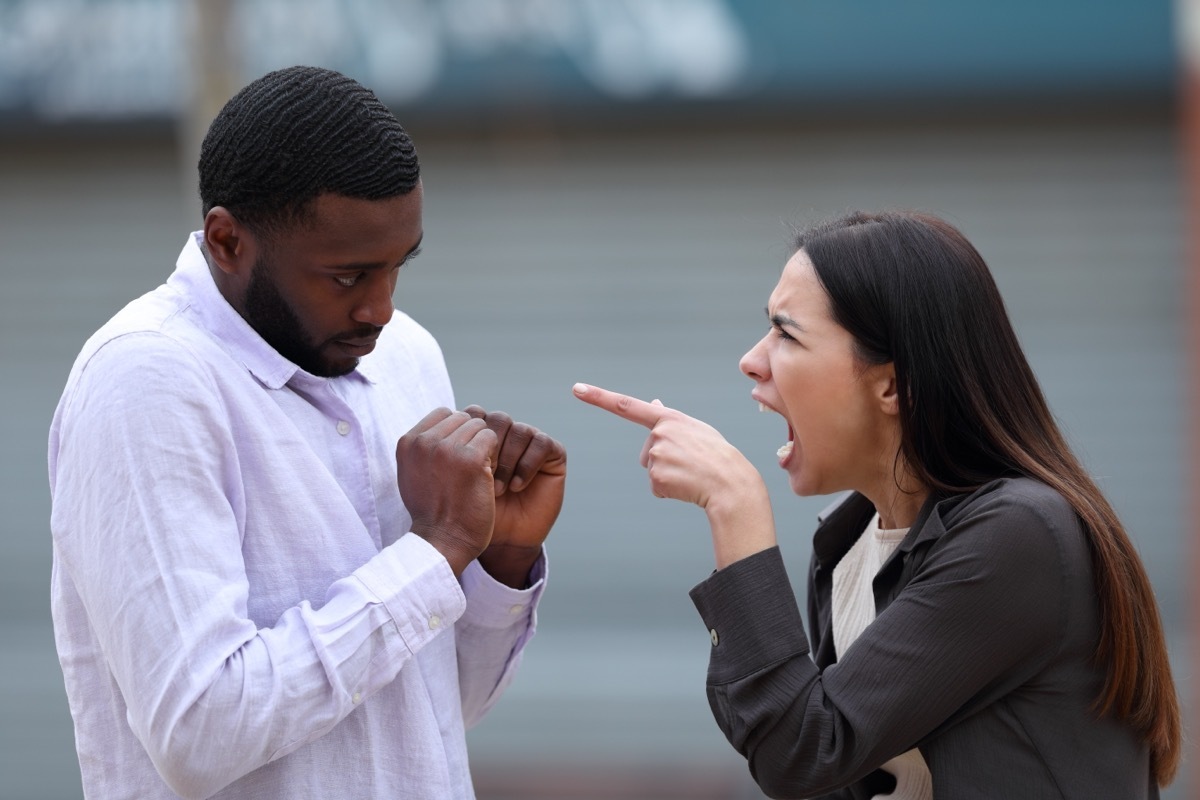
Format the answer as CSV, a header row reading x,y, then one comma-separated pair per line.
x,y
689,460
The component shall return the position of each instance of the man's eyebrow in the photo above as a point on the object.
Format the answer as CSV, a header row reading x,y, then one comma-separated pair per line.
x,y
416,251
782,320
413,253
416,248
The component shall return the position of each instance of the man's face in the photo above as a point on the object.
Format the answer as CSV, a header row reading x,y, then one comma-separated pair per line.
x,y
321,292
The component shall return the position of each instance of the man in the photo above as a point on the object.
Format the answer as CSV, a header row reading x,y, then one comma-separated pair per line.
x,y
282,566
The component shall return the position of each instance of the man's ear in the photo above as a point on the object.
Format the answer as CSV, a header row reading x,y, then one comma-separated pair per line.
x,y
229,244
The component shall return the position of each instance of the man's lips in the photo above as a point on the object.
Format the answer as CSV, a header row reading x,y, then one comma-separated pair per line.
x,y
360,338
362,343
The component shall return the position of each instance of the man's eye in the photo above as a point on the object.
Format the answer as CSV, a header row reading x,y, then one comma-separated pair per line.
x,y
347,280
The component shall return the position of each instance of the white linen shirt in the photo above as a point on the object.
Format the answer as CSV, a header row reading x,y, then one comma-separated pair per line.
x,y
237,606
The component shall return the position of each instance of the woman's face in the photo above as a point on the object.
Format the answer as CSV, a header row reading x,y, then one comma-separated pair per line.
x,y
840,434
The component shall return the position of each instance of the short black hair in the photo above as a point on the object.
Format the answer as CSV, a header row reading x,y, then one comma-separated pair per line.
x,y
297,133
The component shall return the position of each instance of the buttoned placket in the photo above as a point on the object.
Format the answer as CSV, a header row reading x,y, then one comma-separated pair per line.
x,y
347,446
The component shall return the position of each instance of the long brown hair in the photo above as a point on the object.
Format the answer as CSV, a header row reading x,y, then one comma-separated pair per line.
x,y
915,293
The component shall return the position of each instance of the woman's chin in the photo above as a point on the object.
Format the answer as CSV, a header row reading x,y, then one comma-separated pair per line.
x,y
801,486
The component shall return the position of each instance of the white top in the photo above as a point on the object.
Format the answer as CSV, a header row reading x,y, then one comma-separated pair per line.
x,y
853,611
237,606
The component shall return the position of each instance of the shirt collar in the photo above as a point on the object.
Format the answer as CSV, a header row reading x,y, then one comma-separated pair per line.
x,y
193,278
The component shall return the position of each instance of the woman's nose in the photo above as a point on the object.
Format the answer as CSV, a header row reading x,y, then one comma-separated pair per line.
x,y
754,363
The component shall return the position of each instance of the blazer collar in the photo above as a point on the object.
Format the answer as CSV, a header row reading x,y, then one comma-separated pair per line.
x,y
843,521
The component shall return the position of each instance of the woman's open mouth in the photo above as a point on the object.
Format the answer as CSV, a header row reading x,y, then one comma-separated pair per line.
x,y
784,453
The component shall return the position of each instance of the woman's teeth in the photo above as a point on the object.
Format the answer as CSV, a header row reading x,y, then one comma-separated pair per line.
x,y
785,450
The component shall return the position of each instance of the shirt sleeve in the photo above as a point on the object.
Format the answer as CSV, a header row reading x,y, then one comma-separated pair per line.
x,y
980,616
498,620
143,467
492,634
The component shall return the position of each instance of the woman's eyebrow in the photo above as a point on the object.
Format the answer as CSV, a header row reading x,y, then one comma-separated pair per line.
x,y
783,320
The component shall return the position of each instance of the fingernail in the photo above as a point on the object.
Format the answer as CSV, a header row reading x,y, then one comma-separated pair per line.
x,y
515,484
499,488
580,388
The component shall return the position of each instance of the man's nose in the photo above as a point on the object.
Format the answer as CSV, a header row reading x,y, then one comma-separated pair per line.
x,y
376,307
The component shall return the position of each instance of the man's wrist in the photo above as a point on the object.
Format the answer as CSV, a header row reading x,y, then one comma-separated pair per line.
x,y
456,548
510,564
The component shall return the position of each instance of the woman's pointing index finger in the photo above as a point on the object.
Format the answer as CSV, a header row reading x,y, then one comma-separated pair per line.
x,y
622,405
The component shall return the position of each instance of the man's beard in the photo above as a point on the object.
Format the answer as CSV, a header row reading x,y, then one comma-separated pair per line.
x,y
276,322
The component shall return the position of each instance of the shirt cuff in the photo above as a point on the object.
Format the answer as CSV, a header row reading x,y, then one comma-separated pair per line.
x,y
751,615
416,585
491,604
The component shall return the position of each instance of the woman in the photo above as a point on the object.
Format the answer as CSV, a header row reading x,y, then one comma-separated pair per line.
x,y
981,625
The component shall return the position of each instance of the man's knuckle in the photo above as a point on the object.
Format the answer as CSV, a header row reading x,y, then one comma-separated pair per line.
x,y
521,433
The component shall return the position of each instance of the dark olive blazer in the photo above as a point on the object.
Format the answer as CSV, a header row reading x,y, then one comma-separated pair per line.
x,y
981,655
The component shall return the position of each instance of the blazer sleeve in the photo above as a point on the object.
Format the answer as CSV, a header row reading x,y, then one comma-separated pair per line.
x,y
980,616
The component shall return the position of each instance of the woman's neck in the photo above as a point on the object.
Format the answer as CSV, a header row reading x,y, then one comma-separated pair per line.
x,y
898,498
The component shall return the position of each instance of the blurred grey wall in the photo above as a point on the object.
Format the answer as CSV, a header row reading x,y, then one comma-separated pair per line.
x,y
610,186
641,263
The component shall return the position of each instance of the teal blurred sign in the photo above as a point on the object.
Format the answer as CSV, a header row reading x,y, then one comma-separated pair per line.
x,y
73,59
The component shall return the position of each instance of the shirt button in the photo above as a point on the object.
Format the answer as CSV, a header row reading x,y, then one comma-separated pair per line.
x,y
435,622
712,634
516,609
343,427
357,698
